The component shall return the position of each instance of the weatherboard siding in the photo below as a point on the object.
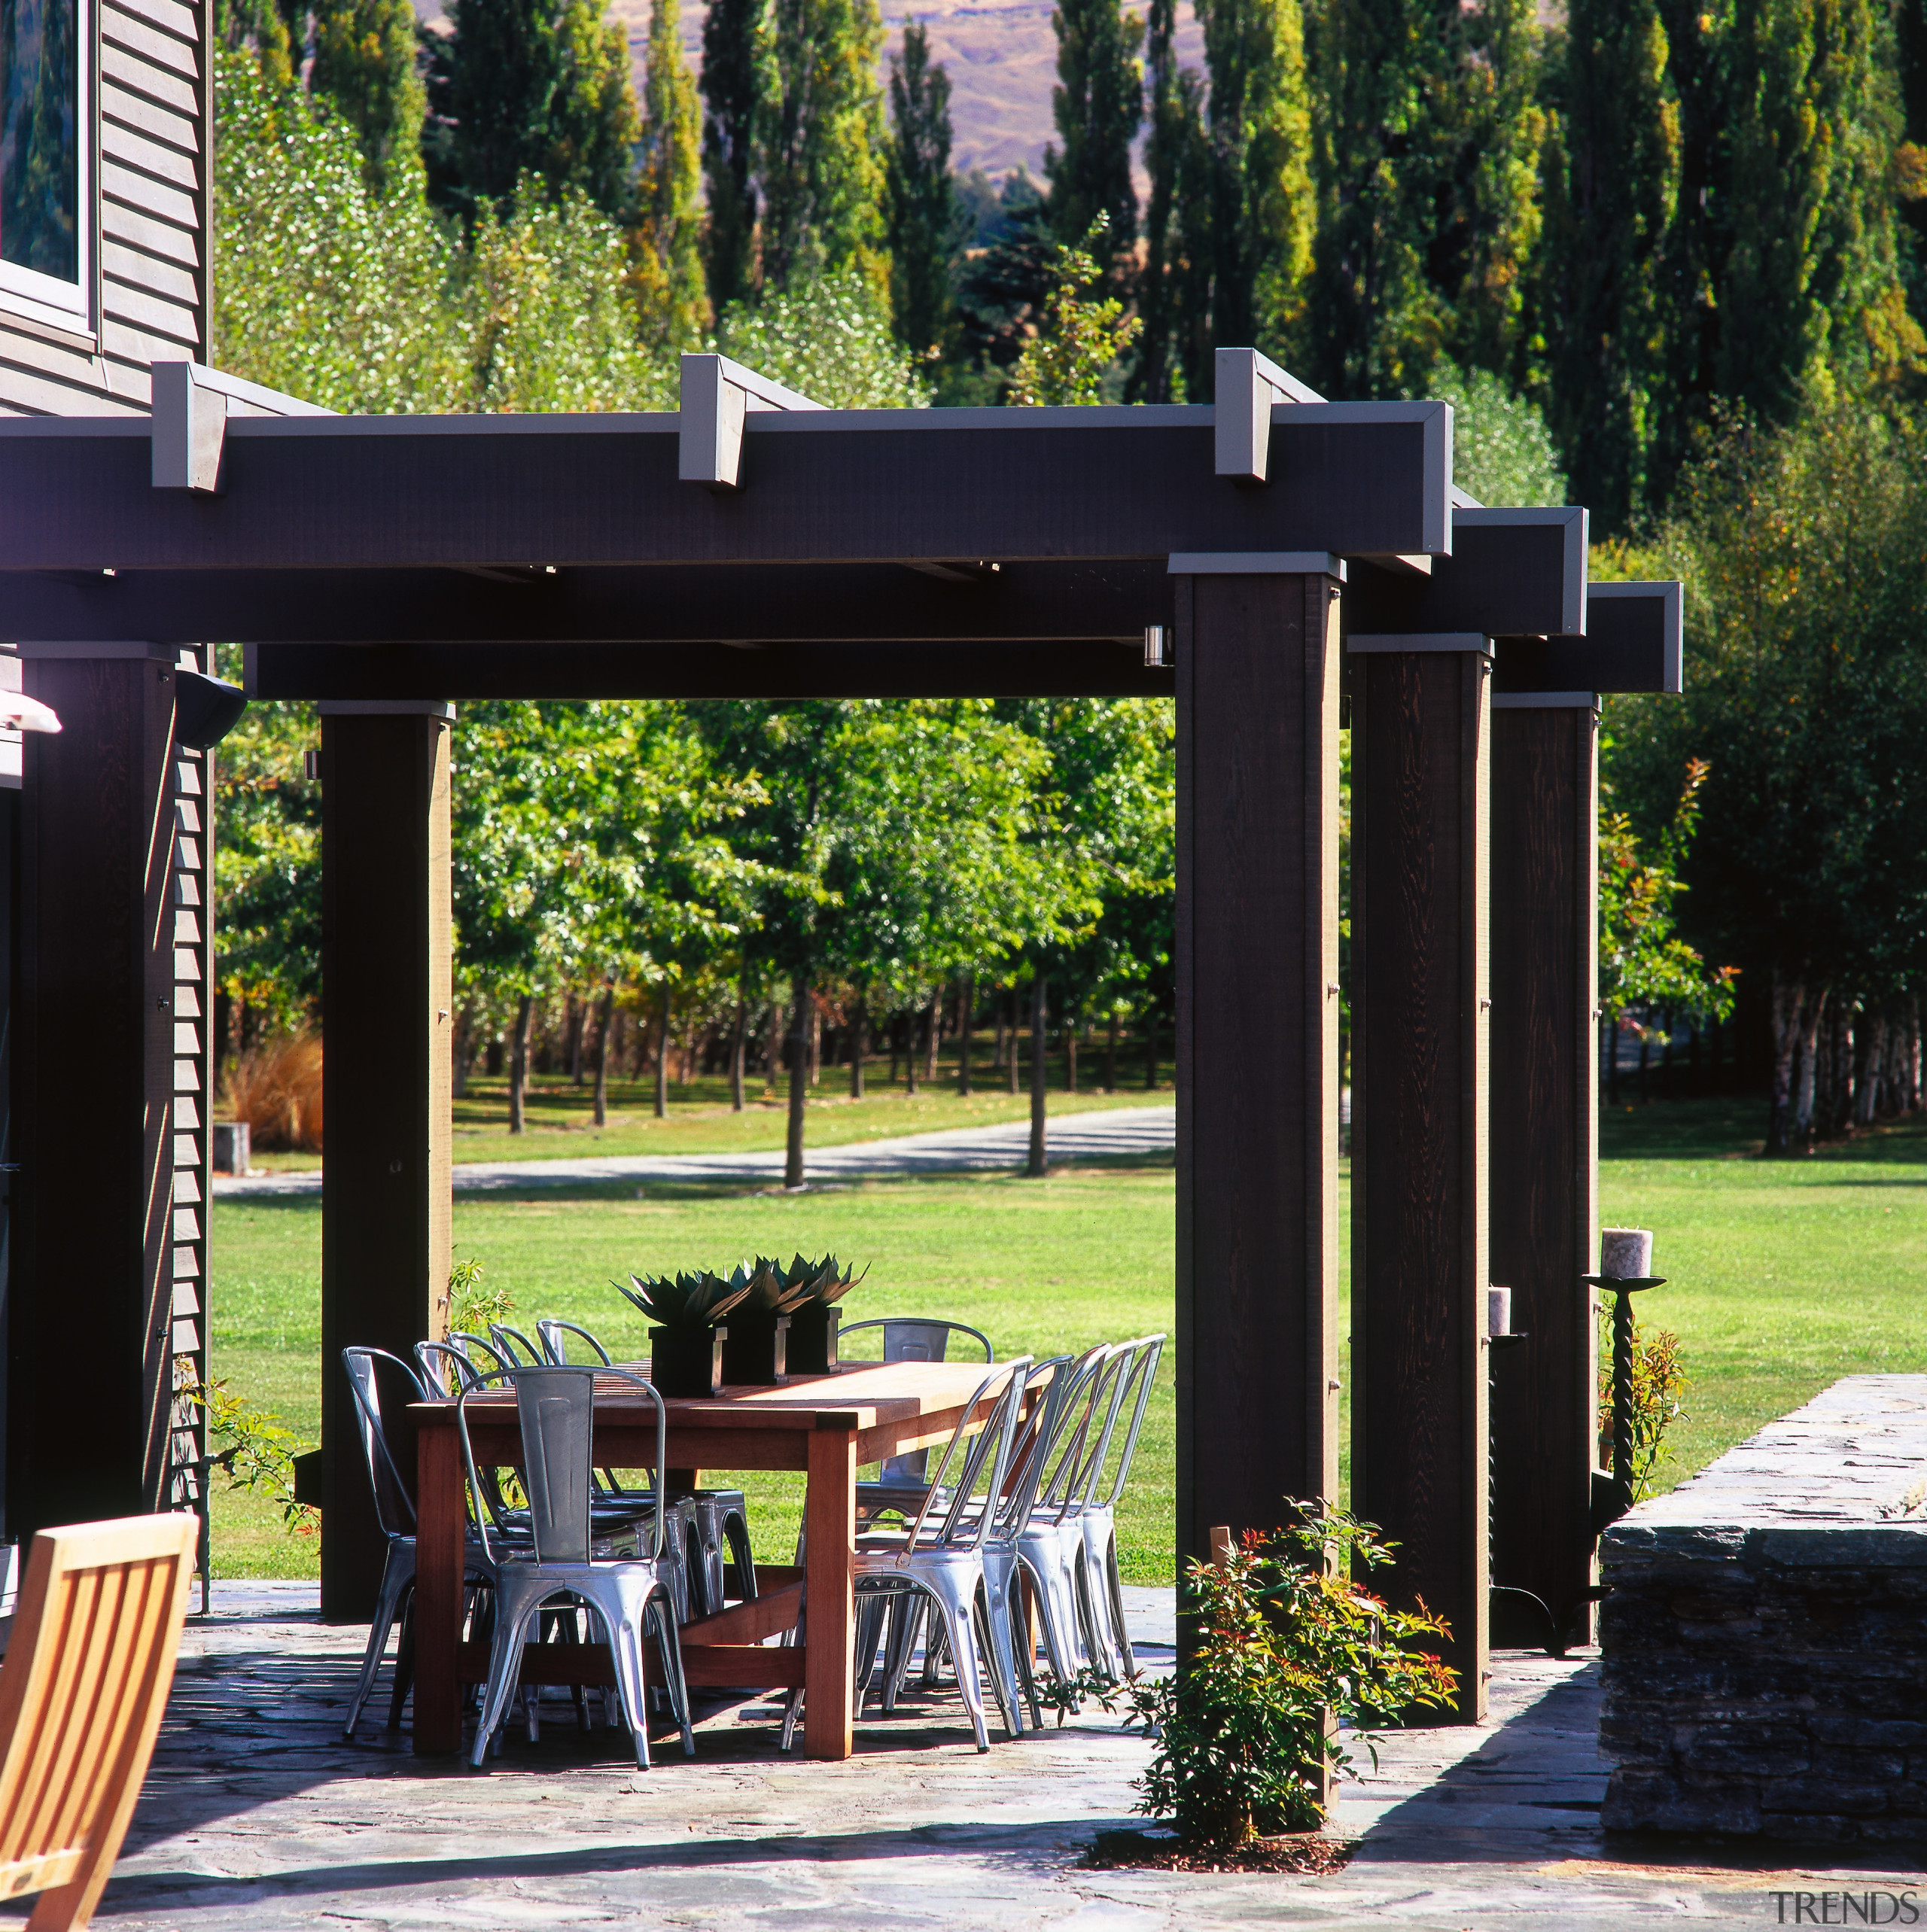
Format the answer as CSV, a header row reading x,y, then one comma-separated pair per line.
x,y
151,98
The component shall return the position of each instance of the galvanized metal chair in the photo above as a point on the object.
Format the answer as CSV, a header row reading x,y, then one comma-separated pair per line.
x,y
555,1409
1098,1517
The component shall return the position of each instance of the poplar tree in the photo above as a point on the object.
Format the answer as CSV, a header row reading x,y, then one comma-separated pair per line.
x,y
365,62
1174,292
820,142
668,270
1262,210
733,32
922,197
530,87
1096,104
1612,184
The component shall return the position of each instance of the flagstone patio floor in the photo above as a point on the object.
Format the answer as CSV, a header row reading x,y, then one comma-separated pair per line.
x,y
256,1817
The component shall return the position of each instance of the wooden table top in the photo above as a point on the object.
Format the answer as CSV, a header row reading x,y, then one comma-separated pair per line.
x,y
856,1395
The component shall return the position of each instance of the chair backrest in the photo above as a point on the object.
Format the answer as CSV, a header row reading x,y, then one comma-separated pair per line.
x,y
913,1338
974,1465
1068,1479
445,1370
515,1348
555,1407
1138,1375
88,1669
483,1354
394,1502
552,1330
1041,1435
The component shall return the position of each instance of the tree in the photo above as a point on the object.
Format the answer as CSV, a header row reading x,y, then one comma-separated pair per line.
x,y
1261,208
1501,451
365,64
733,31
668,272
1096,106
820,143
1612,184
530,87
922,197
1082,340
830,338
1174,292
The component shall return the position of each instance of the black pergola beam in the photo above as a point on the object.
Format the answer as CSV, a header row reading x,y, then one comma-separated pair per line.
x,y
985,668
842,487
647,604
1510,571
1633,642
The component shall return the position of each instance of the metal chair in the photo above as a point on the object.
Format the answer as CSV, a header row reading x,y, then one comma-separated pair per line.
x,y
909,1338
394,1510
514,1347
555,1410
941,1556
720,1518
1097,1518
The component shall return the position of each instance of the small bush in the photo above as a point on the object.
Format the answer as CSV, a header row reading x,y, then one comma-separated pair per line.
x,y
276,1088
1288,1645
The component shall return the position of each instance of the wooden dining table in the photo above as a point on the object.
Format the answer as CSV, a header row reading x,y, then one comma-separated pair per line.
x,y
827,1426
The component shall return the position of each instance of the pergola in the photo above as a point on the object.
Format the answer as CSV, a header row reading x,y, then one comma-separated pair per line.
x,y
1267,560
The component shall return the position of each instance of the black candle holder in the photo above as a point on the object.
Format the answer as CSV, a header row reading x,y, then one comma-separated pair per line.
x,y
1611,1501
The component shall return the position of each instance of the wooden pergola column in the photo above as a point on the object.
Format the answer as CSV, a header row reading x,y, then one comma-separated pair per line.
x,y
1420,784
88,1330
1257,970
1545,1152
387,1007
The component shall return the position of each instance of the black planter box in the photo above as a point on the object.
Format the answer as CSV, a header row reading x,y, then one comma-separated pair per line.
x,y
756,1351
812,1338
680,1364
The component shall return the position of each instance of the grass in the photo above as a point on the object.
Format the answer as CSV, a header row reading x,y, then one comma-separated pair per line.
x,y
1782,1276
560,1123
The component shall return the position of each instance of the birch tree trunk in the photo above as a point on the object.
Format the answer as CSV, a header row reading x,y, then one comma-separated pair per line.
x,y
663,1056
859,1028
738,1047
799,1047
604,1022
967,1000
1789,996
1812,1014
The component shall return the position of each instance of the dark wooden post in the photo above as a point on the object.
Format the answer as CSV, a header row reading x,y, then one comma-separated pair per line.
x,y
1544,1141
1258,677
89,1381
386,1005
1420,777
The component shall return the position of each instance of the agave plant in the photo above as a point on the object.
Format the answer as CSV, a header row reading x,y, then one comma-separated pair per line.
x,y
821,1281
687,1304
768,1287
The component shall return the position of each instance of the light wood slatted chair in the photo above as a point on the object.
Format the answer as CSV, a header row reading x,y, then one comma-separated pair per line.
x,y
85,1680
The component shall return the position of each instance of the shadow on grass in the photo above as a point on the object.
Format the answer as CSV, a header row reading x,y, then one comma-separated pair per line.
x,y
1732,1128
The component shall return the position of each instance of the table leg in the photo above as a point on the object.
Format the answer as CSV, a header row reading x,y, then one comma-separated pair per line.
x,y
441,1528
830,1520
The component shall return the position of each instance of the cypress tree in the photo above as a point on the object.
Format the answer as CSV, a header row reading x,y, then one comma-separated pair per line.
x,y
732,67
365,62
1263,211
820,142
922,197
530,86
1611,181
668,273
1174,294
1096,105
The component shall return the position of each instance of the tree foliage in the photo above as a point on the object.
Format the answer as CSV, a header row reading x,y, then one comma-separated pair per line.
x,y
1083,338
671,299
365,64
922,198
1096,107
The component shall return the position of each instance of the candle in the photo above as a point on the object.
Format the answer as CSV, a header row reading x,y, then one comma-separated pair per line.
x,y
1626,1254
1498,1311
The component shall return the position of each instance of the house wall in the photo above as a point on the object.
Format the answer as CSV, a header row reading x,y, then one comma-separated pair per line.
x,y
149,301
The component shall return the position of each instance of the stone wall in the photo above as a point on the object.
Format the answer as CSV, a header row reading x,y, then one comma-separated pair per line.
x,y
1765,1631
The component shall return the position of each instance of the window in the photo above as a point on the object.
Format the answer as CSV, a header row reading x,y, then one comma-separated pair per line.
x,y
46,148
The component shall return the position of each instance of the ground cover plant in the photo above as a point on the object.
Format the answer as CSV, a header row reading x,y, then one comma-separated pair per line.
x,y
1782,1276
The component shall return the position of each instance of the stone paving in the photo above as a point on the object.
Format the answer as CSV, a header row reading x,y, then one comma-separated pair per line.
x,y
256,1818
1106,1133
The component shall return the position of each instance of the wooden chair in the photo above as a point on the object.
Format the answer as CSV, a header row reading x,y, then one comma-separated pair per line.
x,y
82,1689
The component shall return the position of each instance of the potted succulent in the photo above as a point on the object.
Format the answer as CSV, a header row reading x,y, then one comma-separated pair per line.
x,y
756,1351
813,1322
687,1338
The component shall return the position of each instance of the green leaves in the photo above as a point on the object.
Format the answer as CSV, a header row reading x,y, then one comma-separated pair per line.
x,y
702,1298
687,1304
1284,1635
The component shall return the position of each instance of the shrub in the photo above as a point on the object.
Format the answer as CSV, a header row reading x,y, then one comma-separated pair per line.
x,y
276,1088
1287,1642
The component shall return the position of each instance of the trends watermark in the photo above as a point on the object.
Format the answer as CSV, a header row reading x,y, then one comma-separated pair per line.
x,y
1873,1908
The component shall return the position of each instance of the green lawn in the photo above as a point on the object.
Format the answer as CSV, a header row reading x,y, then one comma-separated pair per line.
x,y
1782,1276
560,1123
